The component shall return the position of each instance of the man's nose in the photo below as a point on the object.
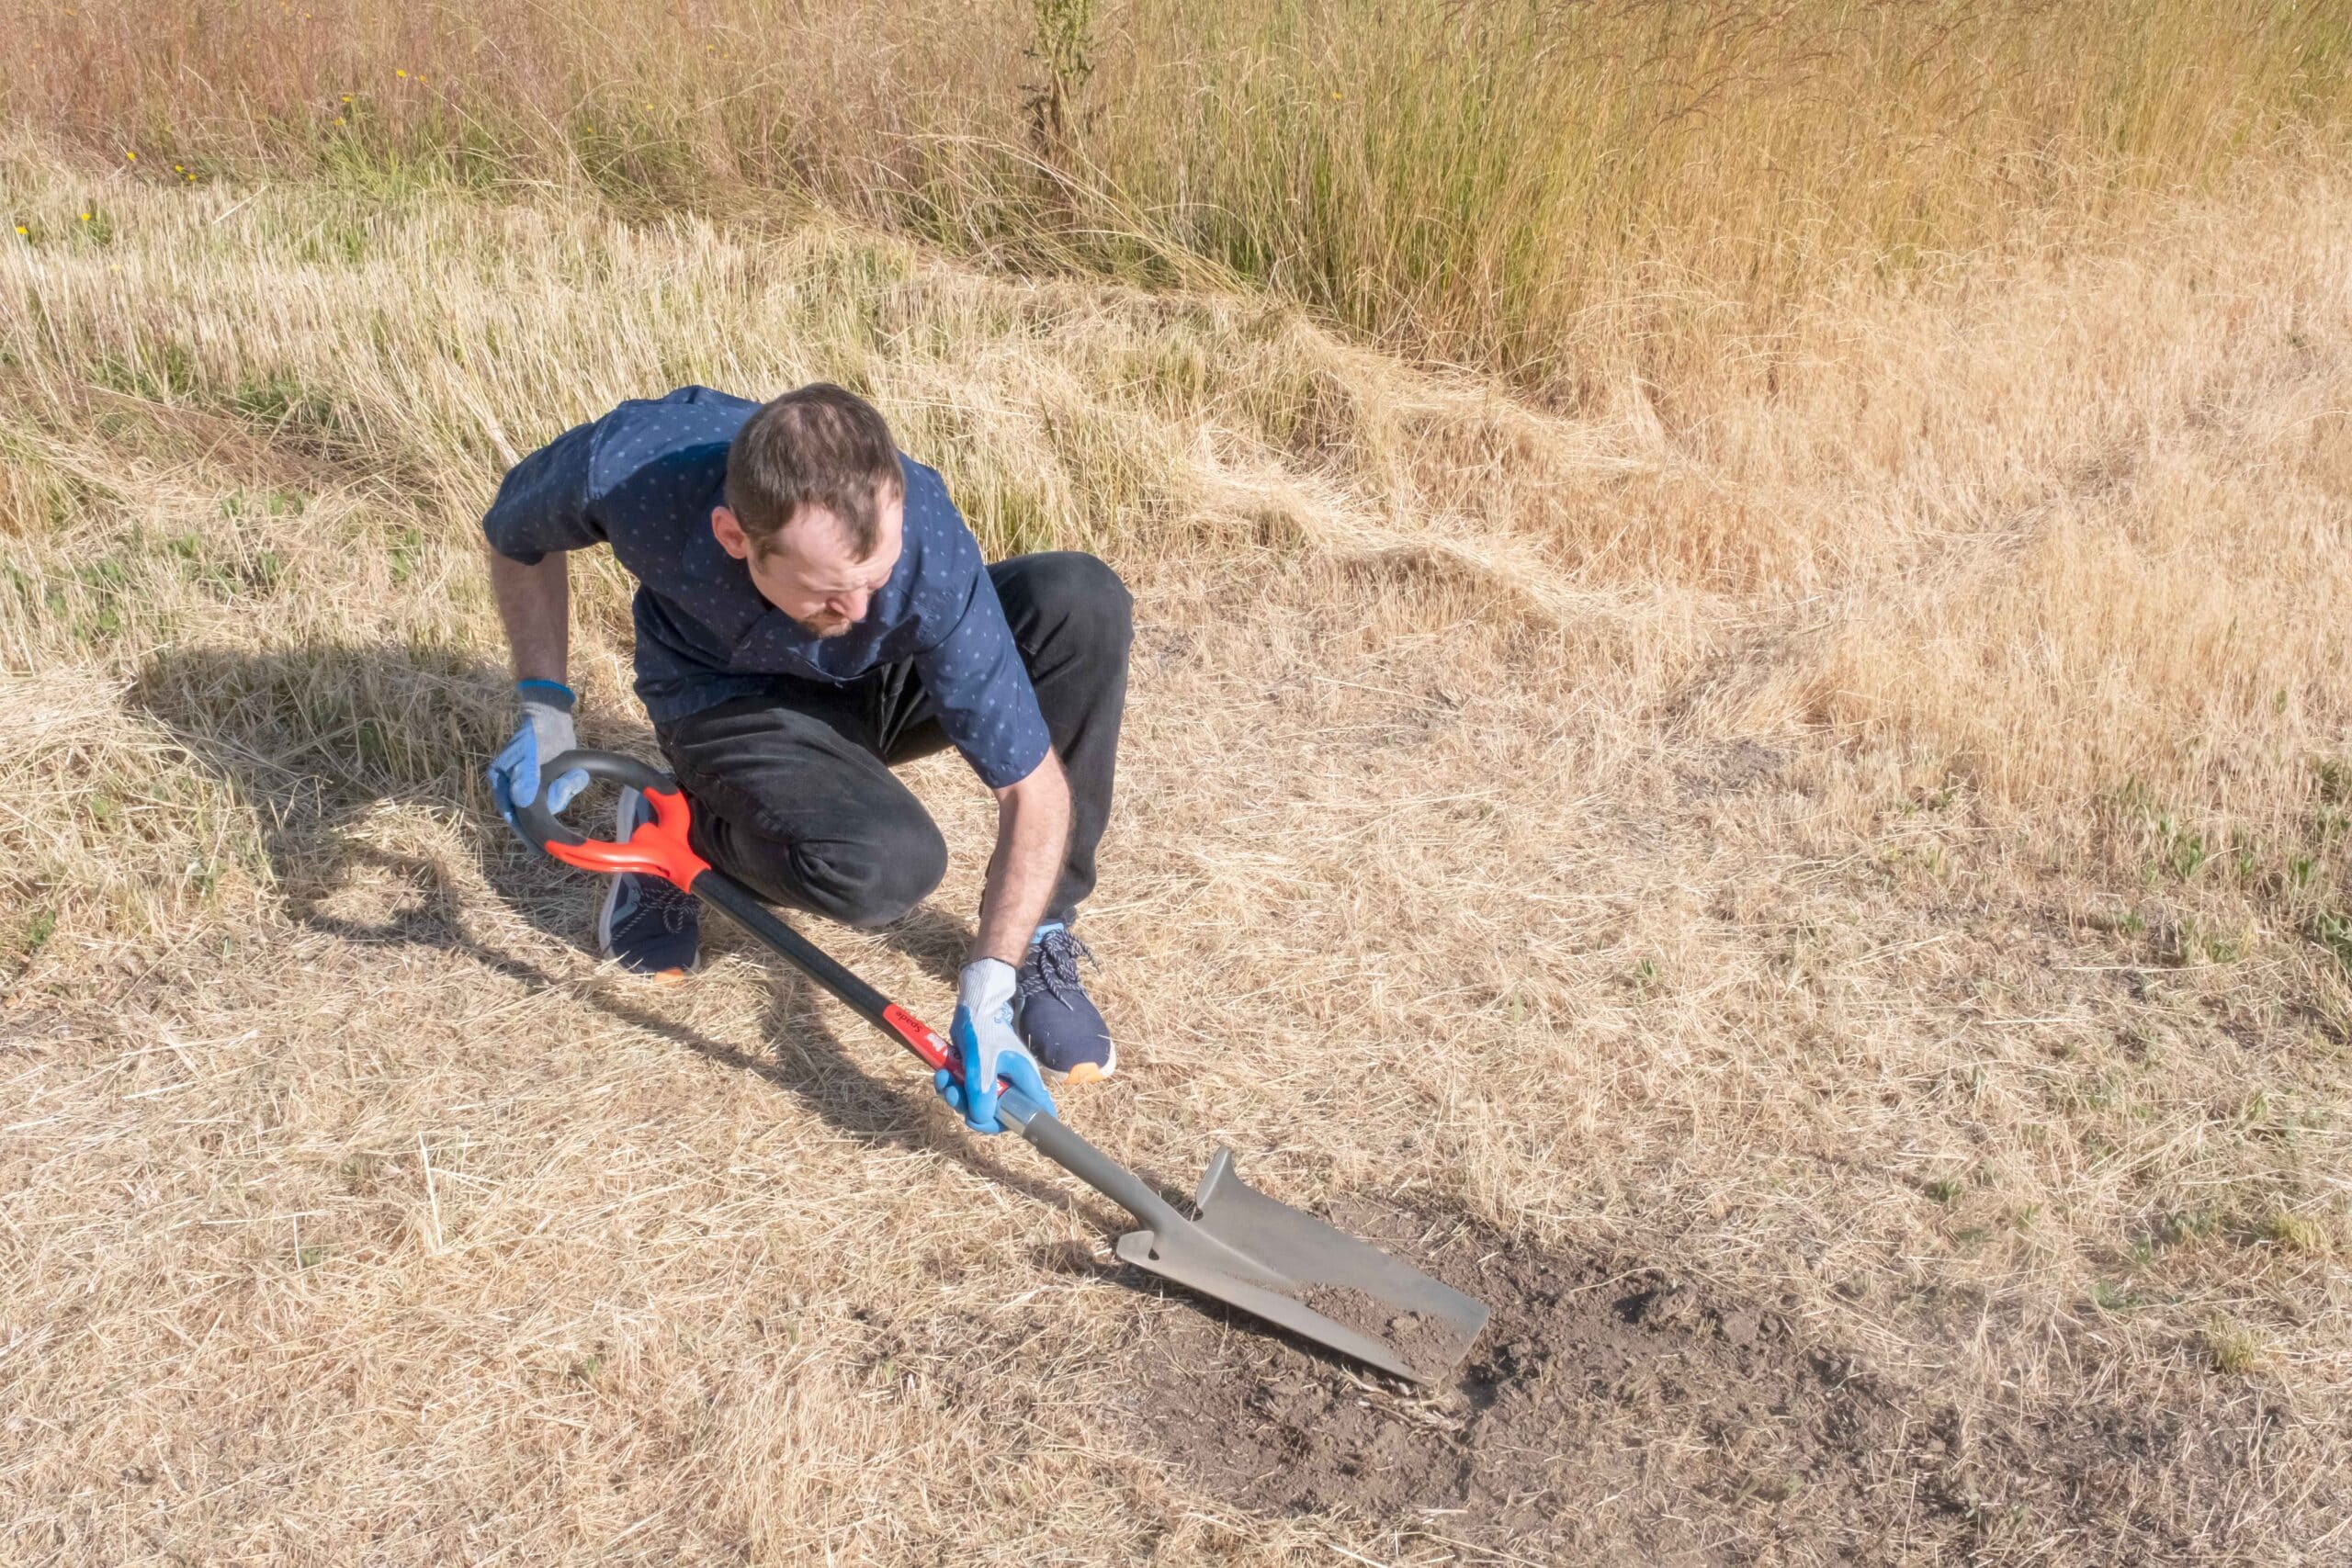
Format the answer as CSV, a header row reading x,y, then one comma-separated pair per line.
x,y
851,606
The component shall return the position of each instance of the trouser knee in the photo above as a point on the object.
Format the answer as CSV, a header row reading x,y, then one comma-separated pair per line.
x,y
870,880
1066,596
864,872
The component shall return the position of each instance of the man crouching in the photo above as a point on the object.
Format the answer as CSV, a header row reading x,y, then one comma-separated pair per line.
x,y
811,611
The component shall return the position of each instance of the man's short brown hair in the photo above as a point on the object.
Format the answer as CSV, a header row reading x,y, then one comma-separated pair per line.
x,y
820,447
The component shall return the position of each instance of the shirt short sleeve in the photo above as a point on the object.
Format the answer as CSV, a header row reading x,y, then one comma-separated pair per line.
x,y
986,704
542,503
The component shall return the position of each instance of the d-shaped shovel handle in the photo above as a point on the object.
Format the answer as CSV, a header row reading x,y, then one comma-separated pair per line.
x,y
658,847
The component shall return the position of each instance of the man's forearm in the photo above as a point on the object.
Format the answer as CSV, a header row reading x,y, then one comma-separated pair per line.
x,y
535,603
1032,836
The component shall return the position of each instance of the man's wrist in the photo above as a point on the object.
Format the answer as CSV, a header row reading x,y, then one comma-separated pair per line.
x,y
554,693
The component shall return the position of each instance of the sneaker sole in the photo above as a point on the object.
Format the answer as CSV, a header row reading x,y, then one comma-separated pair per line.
x,y
1087,1072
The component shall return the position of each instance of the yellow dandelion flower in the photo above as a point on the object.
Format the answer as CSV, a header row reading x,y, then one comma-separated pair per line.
x,y
338,120
179,169
85,218
22,229
346,97
402,74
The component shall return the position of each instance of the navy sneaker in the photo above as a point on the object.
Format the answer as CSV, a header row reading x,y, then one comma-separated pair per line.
x,y
1053,1015
647,925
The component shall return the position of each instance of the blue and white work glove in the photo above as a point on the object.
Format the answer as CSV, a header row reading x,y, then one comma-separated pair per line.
x,y
987,1049
543,733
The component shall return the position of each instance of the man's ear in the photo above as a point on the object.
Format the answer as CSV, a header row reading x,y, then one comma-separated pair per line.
x,y
728,530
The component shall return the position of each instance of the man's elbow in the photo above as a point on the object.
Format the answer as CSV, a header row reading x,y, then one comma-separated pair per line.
x,y
1042,785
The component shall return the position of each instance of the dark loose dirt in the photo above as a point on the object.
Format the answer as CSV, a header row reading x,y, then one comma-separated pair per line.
x,y
1428,1345
1612,1412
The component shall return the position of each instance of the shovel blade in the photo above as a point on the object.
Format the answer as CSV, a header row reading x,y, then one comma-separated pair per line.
x,y
1294,1270
1152,1251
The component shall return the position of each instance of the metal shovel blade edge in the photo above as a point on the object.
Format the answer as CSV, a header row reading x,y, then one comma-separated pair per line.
x,y
1290,1252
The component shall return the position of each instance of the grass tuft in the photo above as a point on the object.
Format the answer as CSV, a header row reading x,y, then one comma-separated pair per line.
x,y
2296,1233
2232,1348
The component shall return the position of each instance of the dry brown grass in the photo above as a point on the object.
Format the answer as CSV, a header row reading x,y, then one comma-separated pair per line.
x,y
1874,844
1562,190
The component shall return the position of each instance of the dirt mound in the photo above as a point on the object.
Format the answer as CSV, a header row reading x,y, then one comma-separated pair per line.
x,y
1605,1400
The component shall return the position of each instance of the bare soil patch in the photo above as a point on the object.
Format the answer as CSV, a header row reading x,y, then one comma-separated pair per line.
x,y
1612,1407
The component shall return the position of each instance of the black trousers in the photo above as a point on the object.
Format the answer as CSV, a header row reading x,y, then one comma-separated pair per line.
x,y
792,790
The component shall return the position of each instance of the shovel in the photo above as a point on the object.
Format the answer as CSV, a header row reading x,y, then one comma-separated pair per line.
x,y
1243,1248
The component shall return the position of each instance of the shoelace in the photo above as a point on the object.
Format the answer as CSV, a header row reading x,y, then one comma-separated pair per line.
x,y
663,899
1053,968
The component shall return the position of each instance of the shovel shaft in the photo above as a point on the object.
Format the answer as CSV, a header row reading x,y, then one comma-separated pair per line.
x,y
665,845
745,909
1050,1137
1045,1131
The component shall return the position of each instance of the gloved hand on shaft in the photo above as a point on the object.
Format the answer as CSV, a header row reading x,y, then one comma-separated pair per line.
x,y
987,1049
542,733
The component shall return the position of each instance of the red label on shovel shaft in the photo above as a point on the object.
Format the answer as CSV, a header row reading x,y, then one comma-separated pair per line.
x,y
919,1037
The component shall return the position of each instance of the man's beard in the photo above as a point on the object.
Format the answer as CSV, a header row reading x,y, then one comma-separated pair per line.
x,y
824,624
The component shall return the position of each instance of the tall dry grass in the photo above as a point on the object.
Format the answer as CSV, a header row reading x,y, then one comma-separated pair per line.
x,y
1554,190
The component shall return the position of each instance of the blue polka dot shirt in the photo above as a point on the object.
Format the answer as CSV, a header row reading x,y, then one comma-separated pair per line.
x,y
644,480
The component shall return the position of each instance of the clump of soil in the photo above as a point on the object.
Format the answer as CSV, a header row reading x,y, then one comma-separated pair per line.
x,y
1610,1411
1428,1345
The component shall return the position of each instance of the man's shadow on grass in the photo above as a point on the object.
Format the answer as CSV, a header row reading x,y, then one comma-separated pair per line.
x,y
316,737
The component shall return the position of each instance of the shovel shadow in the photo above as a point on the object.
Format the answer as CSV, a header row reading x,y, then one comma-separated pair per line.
x,y
318,738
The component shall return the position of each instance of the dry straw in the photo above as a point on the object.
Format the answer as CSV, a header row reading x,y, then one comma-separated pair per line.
x,y
1869,837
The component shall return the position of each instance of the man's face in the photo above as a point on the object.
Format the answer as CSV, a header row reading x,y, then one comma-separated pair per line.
x,y
808,571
